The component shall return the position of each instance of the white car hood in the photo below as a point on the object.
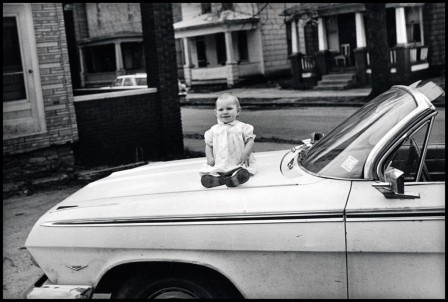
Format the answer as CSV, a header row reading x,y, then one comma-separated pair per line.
x,y
173,189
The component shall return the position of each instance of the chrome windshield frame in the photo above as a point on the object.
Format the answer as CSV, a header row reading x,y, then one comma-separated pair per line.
x,y
422,104
428,119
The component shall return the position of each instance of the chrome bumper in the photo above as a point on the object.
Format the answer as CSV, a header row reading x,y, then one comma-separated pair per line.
x,y
44,289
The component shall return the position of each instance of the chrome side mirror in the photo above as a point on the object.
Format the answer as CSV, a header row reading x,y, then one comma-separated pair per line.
x,y
394,185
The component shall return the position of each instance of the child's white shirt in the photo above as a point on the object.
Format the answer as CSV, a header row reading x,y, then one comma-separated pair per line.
x,y
228,142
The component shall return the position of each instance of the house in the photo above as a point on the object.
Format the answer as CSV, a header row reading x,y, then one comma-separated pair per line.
x,y
39,121
226,43
47,130
109,41
329,38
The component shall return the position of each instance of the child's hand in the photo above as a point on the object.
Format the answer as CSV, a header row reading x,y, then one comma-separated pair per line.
x,y
244,160
210,161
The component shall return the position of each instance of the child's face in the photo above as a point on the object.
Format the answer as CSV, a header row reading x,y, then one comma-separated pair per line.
x,y
227,110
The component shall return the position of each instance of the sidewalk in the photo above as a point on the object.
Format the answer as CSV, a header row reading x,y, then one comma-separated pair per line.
x,y
251,96
284,97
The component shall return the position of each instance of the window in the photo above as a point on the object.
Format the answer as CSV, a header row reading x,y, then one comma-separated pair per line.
x,y
141,81
221,49
288,37
390,27
117,82
13,76
413,24
132,55
128,82
100,58
23,112
333,33
206,8
242,46
407,156
227,6
201,52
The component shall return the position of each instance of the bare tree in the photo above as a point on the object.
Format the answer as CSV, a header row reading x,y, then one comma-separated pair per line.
x,y
378,49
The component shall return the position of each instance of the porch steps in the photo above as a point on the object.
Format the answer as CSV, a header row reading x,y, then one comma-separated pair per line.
x,y
337,81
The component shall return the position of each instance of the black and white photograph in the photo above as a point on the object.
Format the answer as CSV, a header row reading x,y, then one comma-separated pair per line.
x,y
224,150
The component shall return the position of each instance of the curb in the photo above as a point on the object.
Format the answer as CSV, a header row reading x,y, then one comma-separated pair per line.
x,y
286,102
348,101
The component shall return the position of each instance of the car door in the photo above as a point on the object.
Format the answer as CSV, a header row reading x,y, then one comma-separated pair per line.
x,y
396,246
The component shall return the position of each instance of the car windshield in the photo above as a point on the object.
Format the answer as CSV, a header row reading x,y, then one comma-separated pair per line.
x,y
343,152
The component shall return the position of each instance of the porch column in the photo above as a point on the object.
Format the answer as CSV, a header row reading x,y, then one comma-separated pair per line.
x,y
118,59
322,32
82,67
360,31
361,51
420,17
294,37
188,65
323,57
231,65
400,24
301,38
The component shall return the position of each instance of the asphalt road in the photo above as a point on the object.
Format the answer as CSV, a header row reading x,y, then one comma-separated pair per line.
x,y
288,123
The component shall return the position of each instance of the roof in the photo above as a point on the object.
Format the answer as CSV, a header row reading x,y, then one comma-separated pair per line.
x,y
329,9
222,18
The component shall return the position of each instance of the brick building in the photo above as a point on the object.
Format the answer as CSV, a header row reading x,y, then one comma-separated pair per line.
x,y
46,129
39,121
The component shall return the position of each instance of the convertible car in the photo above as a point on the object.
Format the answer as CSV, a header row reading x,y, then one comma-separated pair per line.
x,y
356,213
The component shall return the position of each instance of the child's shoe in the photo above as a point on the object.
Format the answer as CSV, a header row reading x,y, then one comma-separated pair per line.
x,y
210,181
238,177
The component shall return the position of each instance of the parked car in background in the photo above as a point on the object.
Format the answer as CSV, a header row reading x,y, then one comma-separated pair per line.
x,y
138,81
356,213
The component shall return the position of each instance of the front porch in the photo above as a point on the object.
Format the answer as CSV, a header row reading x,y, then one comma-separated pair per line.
x,y
220,49
341,46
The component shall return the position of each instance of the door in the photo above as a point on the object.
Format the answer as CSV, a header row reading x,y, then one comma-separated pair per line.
x,y
396,247
347,32
23,112
201,52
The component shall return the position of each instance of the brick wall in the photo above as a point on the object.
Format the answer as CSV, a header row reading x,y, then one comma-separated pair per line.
x,y
117,129
57,96
131,126
158,40
434,28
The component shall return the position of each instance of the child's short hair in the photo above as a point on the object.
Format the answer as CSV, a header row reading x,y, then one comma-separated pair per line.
x,y
226,96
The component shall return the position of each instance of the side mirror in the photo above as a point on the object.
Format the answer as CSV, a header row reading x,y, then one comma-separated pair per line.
x,y
315,136
393,188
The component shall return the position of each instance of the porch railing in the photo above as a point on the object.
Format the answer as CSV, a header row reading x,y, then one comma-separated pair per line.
x,y
418,54
392,57
212,73
308,64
